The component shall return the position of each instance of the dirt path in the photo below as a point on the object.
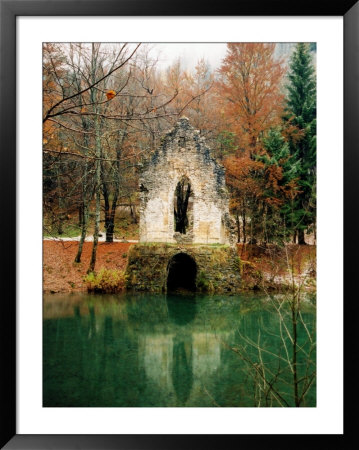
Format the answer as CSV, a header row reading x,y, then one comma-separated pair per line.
x,y
88,239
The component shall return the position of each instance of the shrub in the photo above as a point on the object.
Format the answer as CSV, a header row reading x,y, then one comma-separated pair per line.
x,y
106,281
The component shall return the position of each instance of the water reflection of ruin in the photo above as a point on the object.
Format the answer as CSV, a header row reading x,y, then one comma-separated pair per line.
x,y
179,363
150,351
175,346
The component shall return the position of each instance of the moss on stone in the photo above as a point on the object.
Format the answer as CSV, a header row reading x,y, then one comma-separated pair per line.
x,y
217,266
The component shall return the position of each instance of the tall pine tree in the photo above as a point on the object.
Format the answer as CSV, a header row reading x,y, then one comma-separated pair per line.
x,y
280,187
301,119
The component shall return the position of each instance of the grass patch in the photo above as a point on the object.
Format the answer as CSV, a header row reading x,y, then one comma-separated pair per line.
x,y
105,281
69,231
125,228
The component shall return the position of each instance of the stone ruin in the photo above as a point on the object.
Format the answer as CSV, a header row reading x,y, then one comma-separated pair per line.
x,y
183,165
187,236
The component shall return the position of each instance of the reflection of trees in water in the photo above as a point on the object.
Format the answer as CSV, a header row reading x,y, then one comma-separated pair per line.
x,y
182,375
257,362
91,361
158,352
92,326
105,372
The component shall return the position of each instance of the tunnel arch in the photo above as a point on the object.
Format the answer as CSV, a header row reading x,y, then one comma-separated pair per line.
x,y
181,273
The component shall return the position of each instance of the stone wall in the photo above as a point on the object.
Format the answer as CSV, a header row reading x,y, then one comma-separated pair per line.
x,y
217,266
184,154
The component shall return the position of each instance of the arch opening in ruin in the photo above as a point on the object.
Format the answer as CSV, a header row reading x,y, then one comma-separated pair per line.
x,y
181,273
183,206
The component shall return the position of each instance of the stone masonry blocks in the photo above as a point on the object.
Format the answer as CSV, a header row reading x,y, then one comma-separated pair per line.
x,y
184,154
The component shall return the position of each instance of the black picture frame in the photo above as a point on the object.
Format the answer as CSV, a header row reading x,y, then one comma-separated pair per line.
x,y
9,10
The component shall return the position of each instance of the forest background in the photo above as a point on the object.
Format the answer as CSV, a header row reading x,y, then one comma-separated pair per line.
x,y
106,107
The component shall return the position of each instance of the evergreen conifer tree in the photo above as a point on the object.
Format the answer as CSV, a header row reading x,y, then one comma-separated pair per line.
x,y
281,173
301,113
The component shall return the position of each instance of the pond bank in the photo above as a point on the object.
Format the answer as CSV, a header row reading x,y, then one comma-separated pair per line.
x,y
275,268
259,265
61,274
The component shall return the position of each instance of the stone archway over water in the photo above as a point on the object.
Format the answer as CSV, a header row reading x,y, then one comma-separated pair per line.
x,y
181,273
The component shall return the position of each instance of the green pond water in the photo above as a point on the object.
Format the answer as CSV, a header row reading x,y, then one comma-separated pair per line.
x,y
133,350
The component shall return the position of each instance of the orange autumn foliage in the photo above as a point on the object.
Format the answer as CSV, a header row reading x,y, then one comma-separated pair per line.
x,y
110,94
242,180
250,91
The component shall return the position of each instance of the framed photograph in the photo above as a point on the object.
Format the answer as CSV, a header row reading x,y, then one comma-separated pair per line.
x,y
175,181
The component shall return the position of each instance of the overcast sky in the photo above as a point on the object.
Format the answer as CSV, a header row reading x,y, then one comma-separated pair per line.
x,y
189,54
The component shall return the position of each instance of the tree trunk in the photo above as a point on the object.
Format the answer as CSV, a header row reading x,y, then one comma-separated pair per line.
x,y
109,235
265,234
60,216
97,217
110,222
110,226
98,153
133,213
86,199
294,356
301,240
96,232
295,237
59,225
244,226
110,212
81,213
83,233
238,228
